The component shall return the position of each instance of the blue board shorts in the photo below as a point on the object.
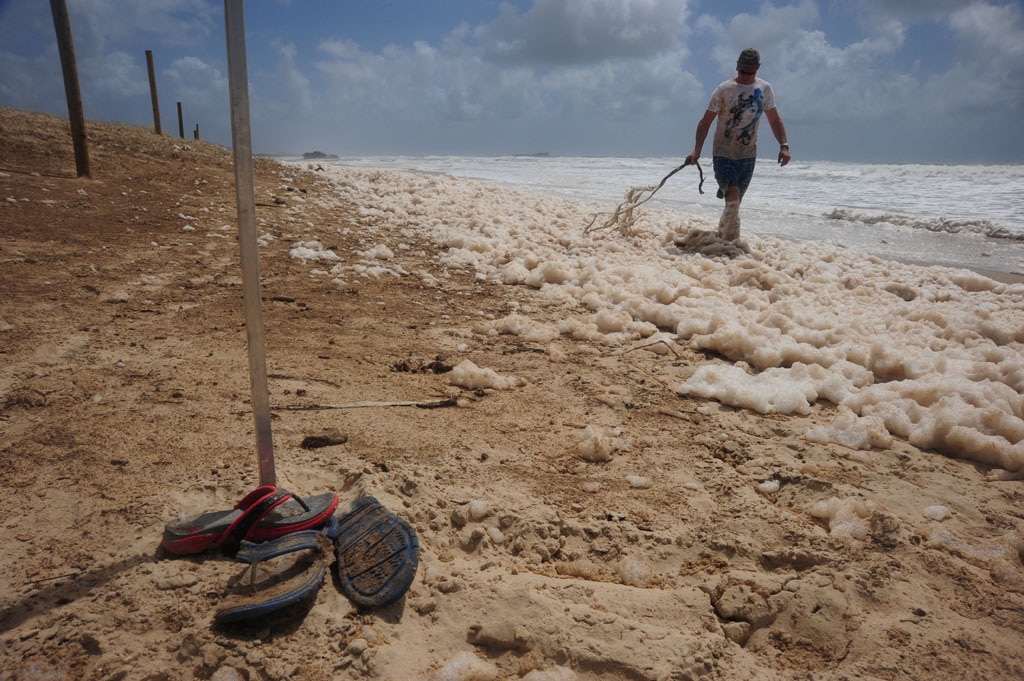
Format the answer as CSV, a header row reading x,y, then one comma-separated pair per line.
x,y
733,172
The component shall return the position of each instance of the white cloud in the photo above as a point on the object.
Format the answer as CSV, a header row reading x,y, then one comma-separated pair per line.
x,y
988,73
814,79
174,22
909,9
291,87
991,39
768,30
584,31
198,82
524,67
363,80
833,83
340,49
115,74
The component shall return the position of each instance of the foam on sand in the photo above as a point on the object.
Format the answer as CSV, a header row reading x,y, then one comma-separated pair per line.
x,y
931,354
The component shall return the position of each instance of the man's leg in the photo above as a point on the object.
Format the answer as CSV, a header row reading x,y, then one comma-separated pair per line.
x,y
727,172
729,223
733,177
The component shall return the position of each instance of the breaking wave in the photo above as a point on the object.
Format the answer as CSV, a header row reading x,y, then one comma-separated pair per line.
x,y
986,228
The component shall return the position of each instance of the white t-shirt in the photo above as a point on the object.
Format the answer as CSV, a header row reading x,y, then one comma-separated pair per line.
x,y
739,108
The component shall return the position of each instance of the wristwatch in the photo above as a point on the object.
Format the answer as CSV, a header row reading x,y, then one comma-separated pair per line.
x,y
784,145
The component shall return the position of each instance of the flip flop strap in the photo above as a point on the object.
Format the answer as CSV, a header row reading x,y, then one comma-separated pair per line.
x,y
301,502
251,517
251,552
254,554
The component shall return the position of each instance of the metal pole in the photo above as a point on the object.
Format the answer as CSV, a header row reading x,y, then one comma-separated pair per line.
x,y
76,112
152,90
245,193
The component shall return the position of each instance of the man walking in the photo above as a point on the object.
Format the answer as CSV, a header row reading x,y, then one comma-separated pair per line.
x,y
737,104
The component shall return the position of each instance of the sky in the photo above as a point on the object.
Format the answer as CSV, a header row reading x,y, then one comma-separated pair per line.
x,y
930,81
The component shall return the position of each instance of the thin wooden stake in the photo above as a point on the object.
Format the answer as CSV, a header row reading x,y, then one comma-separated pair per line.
x,y
76,112
152,91
245,193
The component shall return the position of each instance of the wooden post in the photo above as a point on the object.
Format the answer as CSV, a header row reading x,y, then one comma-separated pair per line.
x,y
181,123
152,91
195,133
245,195
76,112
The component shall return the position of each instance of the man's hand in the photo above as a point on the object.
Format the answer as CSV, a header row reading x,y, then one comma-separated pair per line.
x,y
783,156
691,160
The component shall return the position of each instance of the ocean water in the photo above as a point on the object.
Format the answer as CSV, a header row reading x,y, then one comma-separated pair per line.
x,y
956,215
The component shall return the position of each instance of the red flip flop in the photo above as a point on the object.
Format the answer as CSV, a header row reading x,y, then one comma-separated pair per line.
x,y
295,515
265,513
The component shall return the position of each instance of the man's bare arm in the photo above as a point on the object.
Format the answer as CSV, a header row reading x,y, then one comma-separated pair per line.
x,y
702,134
779,130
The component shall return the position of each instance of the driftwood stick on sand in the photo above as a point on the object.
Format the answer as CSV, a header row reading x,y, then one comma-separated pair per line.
x,y
651,345
430,404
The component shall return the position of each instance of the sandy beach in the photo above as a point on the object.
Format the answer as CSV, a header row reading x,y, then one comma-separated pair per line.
x,y
580,516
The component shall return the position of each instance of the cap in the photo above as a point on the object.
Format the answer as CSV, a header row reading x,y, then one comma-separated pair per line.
x,y
749,57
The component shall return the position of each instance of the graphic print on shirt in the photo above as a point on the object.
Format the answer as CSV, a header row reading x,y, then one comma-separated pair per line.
x,y
745,106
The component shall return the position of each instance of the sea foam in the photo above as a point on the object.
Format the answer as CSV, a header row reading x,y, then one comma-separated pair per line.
x,y
931,354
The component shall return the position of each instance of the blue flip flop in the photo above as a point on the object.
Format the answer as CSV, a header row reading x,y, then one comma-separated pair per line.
x,y
377,554
257,595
